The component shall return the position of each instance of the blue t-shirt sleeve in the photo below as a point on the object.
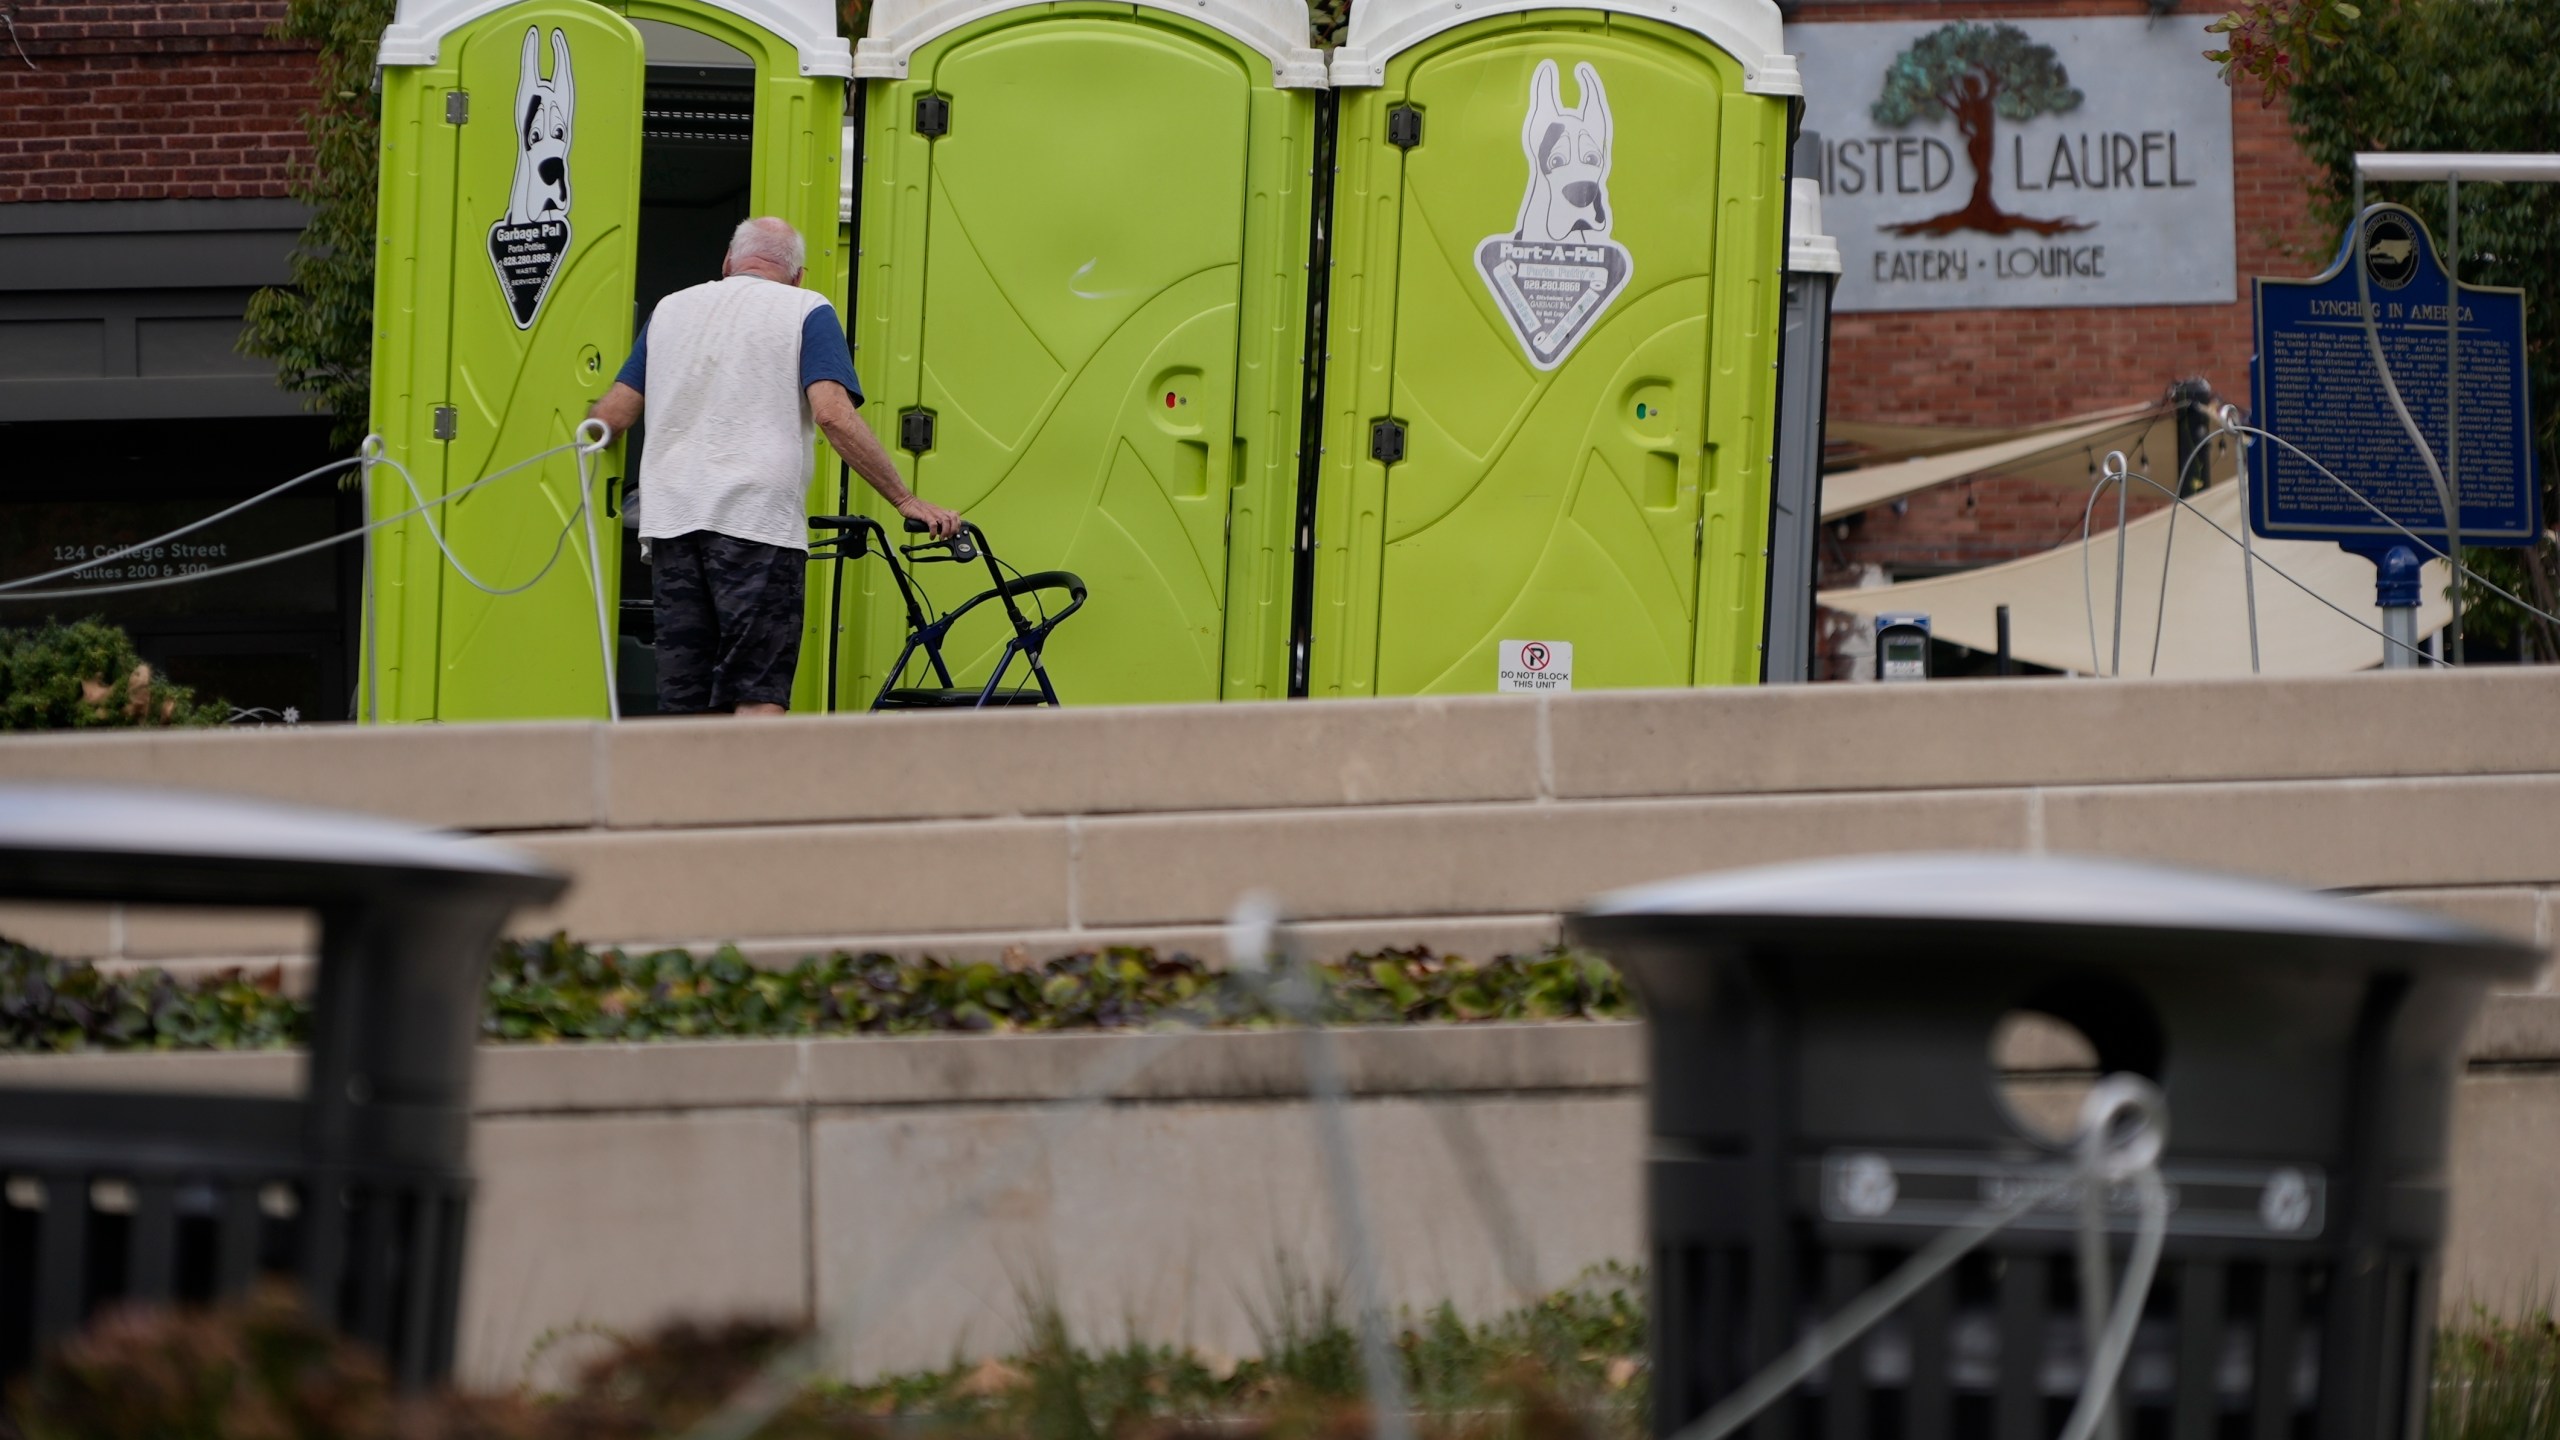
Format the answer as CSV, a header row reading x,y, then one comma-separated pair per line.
x,y
636,369
824,355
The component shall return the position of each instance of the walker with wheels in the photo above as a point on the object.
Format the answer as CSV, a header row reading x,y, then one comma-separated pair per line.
x,y
858,535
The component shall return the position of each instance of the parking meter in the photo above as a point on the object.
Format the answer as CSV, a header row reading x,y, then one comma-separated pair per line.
x,y
1902,646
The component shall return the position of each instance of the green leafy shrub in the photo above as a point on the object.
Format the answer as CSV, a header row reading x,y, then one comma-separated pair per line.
x,y
48,1003
563,991
87,674
557,990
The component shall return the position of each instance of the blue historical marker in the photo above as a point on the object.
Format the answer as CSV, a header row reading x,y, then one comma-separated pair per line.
x,y
2316,386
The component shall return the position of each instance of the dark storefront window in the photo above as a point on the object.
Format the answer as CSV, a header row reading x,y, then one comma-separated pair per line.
x,y
276,638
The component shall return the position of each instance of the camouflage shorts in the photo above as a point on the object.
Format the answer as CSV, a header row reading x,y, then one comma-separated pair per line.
x,y
729,618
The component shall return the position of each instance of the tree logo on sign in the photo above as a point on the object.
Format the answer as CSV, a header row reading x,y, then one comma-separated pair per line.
x,y
1978,75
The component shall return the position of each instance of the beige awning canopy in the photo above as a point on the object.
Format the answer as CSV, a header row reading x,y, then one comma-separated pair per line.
x,y
2064,452
1874,442
2204,630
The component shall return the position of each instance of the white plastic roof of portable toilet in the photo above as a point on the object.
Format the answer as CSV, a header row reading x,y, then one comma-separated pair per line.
x,y
1277,28
418,27
1748,30
1809,250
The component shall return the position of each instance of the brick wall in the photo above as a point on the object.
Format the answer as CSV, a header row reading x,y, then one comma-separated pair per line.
x,y
140,101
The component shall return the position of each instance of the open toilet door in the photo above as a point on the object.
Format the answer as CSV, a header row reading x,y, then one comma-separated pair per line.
x,y
503,306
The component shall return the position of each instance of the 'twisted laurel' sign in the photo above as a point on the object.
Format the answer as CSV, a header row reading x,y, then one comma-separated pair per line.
x,y
2002,165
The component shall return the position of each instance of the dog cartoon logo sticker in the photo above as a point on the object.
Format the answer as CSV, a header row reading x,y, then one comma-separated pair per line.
x,y
529,243
1557,269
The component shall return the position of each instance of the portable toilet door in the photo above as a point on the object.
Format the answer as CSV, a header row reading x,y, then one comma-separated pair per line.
x,y
549,169
1553,330
1082,290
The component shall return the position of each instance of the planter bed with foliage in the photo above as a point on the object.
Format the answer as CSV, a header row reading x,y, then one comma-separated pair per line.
x,y
558,990
1571,1366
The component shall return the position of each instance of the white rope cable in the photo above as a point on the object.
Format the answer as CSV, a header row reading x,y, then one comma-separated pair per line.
x,y
2123,1130
2136,1159
755,1403
369,684
1249,933
2433,550
94,561
374,457
259,561
2111,472
2122,1134
2250,559
591,438
2230,417
2445,498
1250,929
2270,565
1860,1315
593,435
2168,550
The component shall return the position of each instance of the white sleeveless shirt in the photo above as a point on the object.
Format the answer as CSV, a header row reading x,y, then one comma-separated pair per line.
x,y
731,444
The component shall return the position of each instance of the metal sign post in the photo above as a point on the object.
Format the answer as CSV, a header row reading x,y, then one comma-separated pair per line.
x,y
2395,589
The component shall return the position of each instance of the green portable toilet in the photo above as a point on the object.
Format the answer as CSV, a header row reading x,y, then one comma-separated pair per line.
x,y
1081,301
550,168
1551,392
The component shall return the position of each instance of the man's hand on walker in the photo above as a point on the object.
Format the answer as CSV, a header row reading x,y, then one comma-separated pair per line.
x,y
943,523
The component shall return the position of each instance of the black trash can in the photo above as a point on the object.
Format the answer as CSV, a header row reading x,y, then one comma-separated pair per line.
x,y
1823,1103
357,1189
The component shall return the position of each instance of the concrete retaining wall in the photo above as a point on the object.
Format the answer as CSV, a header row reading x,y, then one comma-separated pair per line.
x,y
621,1185
1465,824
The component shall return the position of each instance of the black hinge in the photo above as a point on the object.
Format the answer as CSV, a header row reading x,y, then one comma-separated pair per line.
x,y
448,422
915,430
1404,127
457,107
1386,441
933,116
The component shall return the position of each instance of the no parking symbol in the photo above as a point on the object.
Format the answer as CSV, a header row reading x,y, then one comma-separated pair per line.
x,y
1530,666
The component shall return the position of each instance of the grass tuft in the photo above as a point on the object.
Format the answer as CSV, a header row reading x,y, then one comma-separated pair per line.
x,y
2497,1379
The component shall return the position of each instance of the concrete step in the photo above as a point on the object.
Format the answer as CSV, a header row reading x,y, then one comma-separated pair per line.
x,y
1456,823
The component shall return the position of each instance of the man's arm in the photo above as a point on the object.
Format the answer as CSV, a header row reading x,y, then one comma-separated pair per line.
x,y
619,409
832,407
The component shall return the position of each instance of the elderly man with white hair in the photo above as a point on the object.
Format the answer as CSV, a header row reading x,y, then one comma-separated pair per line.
x,y
738,374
